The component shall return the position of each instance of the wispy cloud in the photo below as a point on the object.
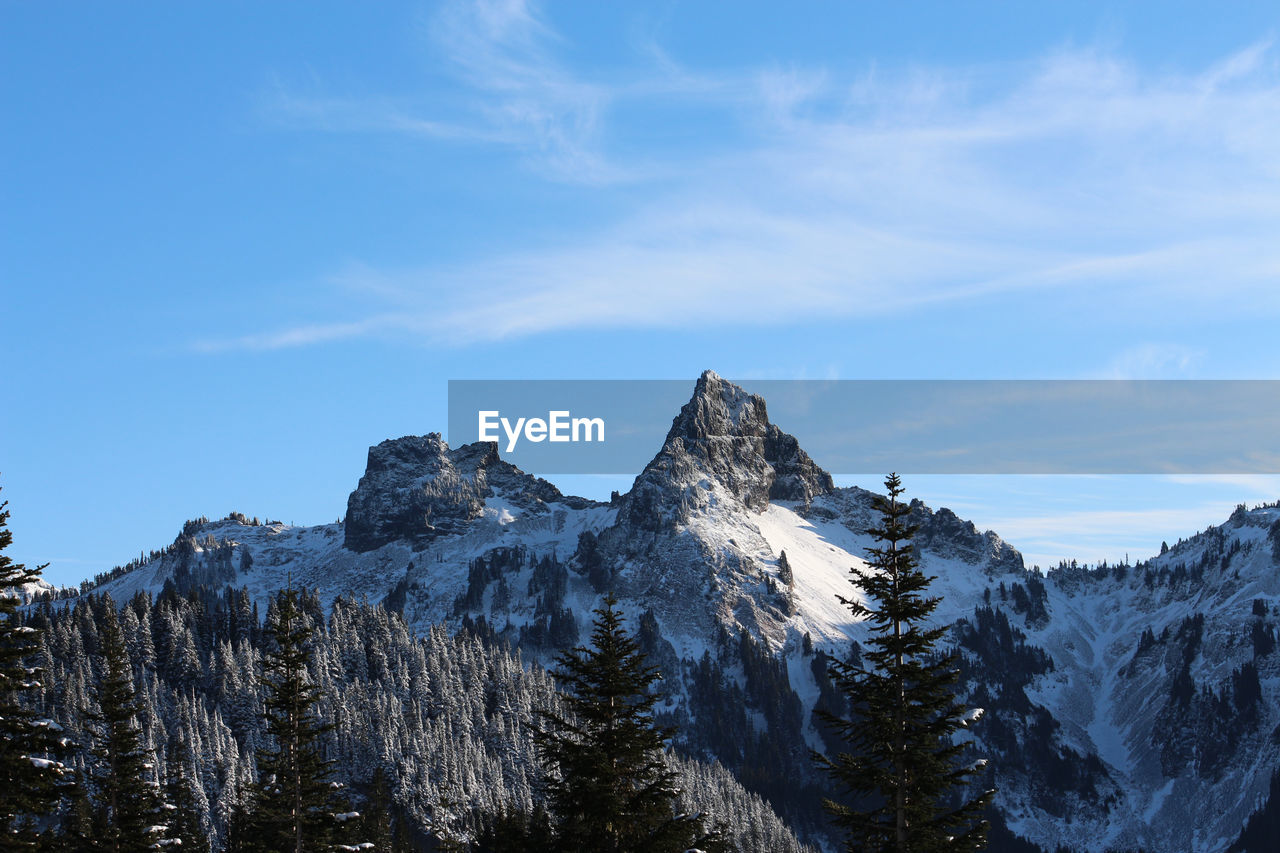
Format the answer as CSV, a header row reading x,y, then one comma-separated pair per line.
x,y
503,49
1091,536
1059,518
517,94
842,194
1260,487
309,334
1153,360
336,114
1102,525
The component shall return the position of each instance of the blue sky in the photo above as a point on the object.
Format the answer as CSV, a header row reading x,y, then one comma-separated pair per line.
x,y
242,242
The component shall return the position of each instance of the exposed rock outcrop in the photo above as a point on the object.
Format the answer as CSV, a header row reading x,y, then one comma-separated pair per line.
x,y
415,489
721,444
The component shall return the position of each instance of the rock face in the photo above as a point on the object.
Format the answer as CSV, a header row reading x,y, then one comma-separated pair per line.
x,y
685,538
415,489
721,442
946,535
1128,706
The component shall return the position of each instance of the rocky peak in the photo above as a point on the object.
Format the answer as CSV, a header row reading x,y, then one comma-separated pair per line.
x,y
945,534
717,409
415,488
411,490
721,440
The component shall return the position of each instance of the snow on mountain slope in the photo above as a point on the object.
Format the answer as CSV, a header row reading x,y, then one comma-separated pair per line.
x,y
821,555
821,552
1118,697
267,558
1130,706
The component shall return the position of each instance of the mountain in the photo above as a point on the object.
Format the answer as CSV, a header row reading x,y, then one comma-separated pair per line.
x,y
417,489
1131,706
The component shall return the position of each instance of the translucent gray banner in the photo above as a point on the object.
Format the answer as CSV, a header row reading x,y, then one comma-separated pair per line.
x,y
908,426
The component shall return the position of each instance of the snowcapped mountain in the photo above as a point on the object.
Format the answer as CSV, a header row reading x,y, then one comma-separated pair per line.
x,y
1166,673
1127,706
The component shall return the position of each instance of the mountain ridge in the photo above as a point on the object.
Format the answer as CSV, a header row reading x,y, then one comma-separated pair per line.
x,y
1097,732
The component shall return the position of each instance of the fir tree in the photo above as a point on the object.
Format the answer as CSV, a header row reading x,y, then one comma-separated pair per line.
x,y
181,789
513,831
30,774
444,714
902,772
292,806
127,807
609,787
591,562
76,833
784,570
381,823
238,830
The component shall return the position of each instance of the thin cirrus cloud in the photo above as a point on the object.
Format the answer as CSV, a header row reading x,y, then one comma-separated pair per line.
x,y
1152,359
863,193
1111,535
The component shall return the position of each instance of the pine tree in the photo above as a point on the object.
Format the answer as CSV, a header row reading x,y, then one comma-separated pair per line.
x,y
30,774
609,787
514,831
238,828
903,771
127,807
381,823
591,562
292,807
77,834
187,826
784,570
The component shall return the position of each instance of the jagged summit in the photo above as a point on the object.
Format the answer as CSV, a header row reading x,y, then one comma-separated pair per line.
x,y
1125,703
415,488
718,408
722,440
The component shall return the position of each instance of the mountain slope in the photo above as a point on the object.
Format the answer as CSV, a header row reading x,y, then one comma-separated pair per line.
x,y
1127,706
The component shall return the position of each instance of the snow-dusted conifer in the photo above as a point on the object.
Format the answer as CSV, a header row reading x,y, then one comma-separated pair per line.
x,y
902,767
31,773
609,785
293,805
127,813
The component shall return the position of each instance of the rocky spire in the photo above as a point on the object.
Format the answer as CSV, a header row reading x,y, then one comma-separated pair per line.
x,y
722,438
415,488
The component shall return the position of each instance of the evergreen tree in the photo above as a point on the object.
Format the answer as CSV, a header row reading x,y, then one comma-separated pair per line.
x,y
902,771
30,774
591,562
181,792
513,831
444,714
238,831
784,570
609,787
381,823
293,804
76,833
127,807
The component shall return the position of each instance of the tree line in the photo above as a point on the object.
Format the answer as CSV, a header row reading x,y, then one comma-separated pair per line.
x,y
187,722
